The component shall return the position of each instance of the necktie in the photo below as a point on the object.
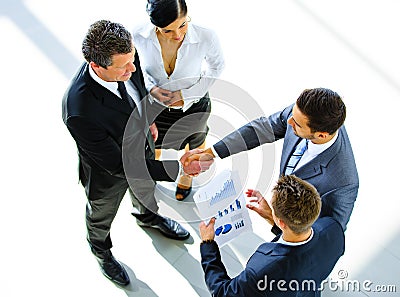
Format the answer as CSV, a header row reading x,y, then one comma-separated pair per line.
x,y
295,158
124,94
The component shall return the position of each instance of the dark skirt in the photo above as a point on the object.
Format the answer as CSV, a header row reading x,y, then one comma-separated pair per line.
x,y
176,128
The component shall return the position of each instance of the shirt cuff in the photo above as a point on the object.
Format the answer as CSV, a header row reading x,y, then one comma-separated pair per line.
x,y
214,152
151,98
208,241
180,172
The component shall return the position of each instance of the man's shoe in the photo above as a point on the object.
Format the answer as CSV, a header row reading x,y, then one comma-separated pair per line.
x,y
168,227
112,269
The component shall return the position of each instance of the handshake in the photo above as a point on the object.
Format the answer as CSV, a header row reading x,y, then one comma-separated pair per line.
x,y
197,161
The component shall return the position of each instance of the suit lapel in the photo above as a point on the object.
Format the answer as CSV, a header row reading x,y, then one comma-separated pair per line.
x,y
145,120
112,101
138,85
137,80
314,167
105,96
108,98
309,170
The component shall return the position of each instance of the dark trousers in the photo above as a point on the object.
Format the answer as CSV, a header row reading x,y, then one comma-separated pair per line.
x,y
105,193
100,214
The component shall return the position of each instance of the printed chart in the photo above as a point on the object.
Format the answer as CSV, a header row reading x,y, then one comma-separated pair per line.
x,y
221,199
228,190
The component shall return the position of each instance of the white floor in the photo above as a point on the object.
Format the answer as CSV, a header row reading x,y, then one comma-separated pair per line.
x,y
273,50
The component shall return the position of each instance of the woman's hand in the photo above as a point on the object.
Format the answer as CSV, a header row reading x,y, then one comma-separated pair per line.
x,y
177,99
167,97
162,95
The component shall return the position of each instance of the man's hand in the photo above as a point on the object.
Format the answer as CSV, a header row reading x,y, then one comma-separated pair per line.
x,y
196,166
260,205
207,231
154,131
197,155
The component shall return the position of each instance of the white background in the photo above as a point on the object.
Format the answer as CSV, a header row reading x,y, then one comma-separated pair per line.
x,y
273,50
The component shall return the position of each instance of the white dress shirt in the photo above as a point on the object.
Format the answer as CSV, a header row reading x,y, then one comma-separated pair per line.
x,y
314,150
112,86
199,61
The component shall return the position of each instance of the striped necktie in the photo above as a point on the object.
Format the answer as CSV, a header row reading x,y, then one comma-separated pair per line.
x,y
295,158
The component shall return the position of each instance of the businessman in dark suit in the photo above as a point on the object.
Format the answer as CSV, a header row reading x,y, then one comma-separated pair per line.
x,y
106,93
327,161
295,262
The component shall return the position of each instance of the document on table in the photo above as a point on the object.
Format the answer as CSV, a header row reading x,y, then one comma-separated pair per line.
x,y
223,199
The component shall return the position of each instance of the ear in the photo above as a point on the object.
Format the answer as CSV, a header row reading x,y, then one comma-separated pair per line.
x,y
97,69
322,135
281,224
94,65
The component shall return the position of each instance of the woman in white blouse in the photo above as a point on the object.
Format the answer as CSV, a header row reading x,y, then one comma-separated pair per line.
x,y
180,61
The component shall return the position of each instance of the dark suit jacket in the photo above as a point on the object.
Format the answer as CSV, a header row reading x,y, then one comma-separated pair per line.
x,y
306,265
96,119
333,172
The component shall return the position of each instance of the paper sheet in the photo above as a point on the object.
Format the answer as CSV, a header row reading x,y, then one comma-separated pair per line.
x,y
223,199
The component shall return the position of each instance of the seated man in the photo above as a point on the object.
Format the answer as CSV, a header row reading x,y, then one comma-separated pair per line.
x,y
295,262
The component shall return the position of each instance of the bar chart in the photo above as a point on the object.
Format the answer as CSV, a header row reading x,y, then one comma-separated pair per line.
x,y
228,190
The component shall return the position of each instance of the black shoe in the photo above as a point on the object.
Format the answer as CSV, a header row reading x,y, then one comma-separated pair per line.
x,y
181,194
112,269
168,227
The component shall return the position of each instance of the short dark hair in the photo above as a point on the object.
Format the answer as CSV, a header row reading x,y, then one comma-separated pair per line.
x,y
296,202
105,39
324,109
164,12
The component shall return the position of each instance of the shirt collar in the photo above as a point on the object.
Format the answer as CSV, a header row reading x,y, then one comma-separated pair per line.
x,y
191,35
149,32
110,85
146,31
282,241
315,149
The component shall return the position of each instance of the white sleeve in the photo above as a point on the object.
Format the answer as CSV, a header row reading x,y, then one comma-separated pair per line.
x,y
215,64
